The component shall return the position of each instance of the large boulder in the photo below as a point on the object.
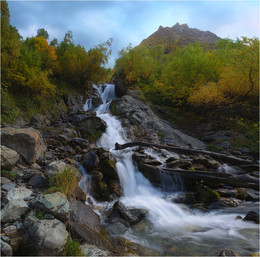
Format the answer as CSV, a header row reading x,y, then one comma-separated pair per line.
x,y
55,204
252,216
91,161
91,125
13,210
18,193
142,124
85,225
27,142
9,158
44,237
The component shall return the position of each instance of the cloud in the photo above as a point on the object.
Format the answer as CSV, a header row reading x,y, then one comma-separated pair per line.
x,y
94,22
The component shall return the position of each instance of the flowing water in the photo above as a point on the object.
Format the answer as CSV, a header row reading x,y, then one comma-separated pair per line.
x,y
170,228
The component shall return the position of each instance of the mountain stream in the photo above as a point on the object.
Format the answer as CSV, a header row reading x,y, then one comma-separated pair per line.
x,y
170,229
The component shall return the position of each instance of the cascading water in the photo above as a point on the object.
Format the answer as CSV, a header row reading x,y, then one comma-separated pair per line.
x,y
169,224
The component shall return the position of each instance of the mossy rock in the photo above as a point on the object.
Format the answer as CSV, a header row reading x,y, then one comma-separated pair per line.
x,y
206,195
114,108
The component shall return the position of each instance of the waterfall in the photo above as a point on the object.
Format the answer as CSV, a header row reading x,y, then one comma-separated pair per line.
x,y
167,219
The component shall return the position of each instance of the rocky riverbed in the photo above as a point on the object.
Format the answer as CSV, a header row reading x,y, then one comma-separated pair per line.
x,y
37,221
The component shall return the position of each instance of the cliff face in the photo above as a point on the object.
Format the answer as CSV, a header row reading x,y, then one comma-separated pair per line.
x,y
180,34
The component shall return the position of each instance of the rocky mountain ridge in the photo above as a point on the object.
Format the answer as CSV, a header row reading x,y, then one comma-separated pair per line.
x,y
181,34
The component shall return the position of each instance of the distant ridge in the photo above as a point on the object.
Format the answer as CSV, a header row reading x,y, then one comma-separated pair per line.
x,y
180,34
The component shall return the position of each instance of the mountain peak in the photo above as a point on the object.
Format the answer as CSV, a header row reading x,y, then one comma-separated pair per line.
x,y
180,33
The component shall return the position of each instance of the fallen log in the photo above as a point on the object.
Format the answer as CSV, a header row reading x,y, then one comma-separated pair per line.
x,y
218,156
214,178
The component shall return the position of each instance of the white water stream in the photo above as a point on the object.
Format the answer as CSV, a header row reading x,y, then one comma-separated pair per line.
x,y
171,229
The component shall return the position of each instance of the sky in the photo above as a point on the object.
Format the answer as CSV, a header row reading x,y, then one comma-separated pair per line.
x,y
94,22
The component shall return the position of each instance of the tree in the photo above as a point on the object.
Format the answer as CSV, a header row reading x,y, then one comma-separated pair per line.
x,y
42,33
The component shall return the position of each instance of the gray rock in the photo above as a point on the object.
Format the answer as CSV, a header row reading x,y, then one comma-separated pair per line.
x,y
91,161
5,181
224,144
252,216
8,186
143,124
6,249
9,158
18,193
83,214
27,142
55,167
13,210
90,125
92,250
38,181
116,228
55,204
223,202
10,230
44,237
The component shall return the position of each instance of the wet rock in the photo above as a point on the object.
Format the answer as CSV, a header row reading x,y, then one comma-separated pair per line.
x,y
44,237
13,210
206,195
9,158
183,164
114,188
55,167
92,250
55,204
186,198
91,161
27,142
83,214
117,227
91,125
252,216
18,193
207,162
6,249
229,252
153,162
108,166
171,159
223,202
142,123
131,216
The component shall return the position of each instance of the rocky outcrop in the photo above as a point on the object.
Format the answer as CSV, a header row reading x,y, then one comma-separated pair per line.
x,y
27,142
13,210
142,124
55,204
44,237
55,167
9,158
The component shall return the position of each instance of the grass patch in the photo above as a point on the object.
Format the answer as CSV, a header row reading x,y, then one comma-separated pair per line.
x,y
65,182
72,248
161,134
9,174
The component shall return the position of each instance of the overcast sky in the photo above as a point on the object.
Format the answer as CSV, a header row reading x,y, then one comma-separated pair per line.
x,y
94,22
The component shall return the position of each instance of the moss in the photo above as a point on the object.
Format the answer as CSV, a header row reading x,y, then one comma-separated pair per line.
x,y
113,108
207,195
161,134
9,174
72,248
95,135
214,148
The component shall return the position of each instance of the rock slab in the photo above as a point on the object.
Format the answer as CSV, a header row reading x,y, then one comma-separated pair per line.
x,y
9,158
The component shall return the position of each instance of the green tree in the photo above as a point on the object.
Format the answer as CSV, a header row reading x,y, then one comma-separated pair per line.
x,y
42,33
